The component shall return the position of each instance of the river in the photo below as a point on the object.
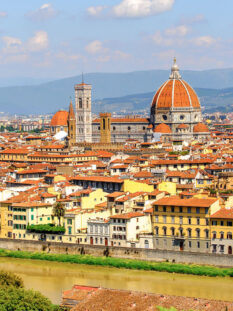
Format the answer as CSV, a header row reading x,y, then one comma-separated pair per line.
x,y
51,278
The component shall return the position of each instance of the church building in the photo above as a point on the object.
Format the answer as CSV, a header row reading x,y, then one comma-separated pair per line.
x,y
175,113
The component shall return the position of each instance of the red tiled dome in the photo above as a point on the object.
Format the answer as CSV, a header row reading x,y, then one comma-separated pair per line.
x,y
60,118
176,93
163,128
200,128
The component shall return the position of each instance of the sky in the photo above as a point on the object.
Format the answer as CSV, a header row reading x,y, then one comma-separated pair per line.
x,y
62,38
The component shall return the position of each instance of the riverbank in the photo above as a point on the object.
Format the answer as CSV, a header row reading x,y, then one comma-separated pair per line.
x,y
122,263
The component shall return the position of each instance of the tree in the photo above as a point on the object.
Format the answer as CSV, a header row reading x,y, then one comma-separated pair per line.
x,y
59,211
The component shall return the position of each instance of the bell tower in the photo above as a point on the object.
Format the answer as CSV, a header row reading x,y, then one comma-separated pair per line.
x,y
83,112
105,127
71,125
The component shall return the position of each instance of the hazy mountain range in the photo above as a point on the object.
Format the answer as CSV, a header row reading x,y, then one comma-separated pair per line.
x,y
111,91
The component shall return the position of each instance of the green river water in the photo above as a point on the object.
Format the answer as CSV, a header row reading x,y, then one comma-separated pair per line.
x,y
51,278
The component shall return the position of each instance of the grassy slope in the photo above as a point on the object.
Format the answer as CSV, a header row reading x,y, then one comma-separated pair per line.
x,y
122,263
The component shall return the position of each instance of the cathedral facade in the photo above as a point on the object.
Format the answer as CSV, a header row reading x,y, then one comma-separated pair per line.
x,y
175,113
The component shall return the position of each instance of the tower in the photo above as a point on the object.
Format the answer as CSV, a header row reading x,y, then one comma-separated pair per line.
x,y
105,127
71,125
83,112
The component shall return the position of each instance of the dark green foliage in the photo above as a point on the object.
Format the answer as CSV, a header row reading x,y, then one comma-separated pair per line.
x,y
19,299
10,279
123,263
49,228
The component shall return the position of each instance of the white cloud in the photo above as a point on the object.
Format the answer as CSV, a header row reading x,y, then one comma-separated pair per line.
x,y
45,12
95,47
179,31
38,42
11,45
160,39
141,8
95,10
203,40
197,19
3,14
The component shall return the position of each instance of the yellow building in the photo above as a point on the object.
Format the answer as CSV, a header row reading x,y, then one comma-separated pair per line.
x,y
222,231
183,224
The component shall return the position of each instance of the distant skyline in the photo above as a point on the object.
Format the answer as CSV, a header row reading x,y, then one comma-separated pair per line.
x,y
56,39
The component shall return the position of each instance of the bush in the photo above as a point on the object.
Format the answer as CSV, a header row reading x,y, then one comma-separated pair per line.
x,y
48,228
10,279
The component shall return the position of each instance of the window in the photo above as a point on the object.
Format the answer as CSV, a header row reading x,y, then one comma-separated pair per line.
x,y
198,210
172,231
229,235
156,230
172,219
69,230
229,223
164,231
190,244
189,232
181,220
156,218
206,210
80,103
189,220
189,210
198,233
198,244
207,244
221,223
221,248
173,209
41,218
181,209
32,209
198,220
214,223
214,235
69,221
206,233
221,235
164,219
156,208
164,209
32,217
207,222
129,128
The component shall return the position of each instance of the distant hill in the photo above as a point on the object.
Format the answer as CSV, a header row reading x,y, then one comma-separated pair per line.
x,y
51,96
212,100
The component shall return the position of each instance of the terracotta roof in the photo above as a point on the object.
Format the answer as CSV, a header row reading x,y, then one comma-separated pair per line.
x,y
125,120
175,93
193,202
182,126
60,118
200,128
163,128
128,215
223,213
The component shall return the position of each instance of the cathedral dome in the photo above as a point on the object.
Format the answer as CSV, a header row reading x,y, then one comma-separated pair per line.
x,y
200,128
163,128
175,93
60,118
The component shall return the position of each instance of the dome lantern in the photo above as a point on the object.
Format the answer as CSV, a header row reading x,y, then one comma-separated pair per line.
x,y
175,71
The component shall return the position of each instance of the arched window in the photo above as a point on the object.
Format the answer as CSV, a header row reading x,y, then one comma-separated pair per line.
x,y
156,230
207,233
164,230
173,231
189,232
198,233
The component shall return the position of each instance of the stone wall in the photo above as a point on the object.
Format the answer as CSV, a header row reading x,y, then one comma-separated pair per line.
x,y
120,252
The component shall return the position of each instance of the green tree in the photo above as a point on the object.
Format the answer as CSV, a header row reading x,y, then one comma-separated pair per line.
x,y
59,211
